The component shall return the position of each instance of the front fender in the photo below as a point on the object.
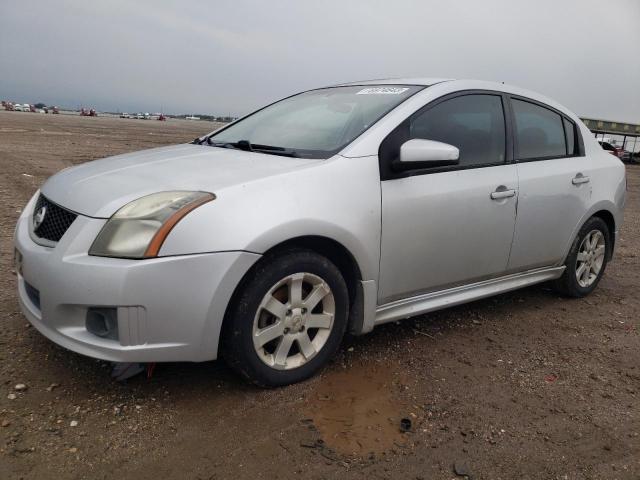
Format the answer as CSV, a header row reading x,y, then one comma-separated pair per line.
x,y
357,246
338,199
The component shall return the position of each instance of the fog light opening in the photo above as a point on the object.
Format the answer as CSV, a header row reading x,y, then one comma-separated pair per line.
x,y
103,322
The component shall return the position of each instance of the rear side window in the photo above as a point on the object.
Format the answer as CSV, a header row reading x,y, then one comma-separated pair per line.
x,y
540,131
473,123
570,135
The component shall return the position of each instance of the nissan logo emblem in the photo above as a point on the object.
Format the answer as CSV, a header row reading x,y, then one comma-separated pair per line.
x,y
38,218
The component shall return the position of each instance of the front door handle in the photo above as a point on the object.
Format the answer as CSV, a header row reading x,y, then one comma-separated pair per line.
x,y
502,192
579,179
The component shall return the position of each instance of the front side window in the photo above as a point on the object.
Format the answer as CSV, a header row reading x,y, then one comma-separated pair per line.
x,y
314,124
472,123
540,132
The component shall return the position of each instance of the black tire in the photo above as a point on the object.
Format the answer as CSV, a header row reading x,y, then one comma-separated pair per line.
x,y
237,342
568,284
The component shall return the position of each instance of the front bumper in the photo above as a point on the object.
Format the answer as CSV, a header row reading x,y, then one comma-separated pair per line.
x,y
169,308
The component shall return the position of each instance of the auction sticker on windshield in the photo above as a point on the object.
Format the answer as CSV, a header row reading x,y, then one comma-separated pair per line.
x,y
382,91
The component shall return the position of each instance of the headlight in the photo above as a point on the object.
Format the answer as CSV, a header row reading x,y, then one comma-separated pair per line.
x,y
139,229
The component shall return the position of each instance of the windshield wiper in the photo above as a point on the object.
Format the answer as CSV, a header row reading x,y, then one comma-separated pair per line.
x,y
211,142
283,152
273,150
254,147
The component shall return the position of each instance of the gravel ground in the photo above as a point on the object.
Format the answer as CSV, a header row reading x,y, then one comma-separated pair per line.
x,y
524,385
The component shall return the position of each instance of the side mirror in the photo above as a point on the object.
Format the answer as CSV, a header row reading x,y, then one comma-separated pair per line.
x,y
418,153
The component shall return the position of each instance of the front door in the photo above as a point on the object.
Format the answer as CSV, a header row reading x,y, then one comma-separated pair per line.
x,y
450,225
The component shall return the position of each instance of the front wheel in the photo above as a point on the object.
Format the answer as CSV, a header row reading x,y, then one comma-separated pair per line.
x,y
287,319
587,259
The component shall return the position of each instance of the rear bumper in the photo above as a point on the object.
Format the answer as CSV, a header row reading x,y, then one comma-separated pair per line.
x,y
169,308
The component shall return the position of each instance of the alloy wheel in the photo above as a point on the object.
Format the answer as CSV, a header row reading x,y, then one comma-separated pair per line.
x,y
294,321
590,258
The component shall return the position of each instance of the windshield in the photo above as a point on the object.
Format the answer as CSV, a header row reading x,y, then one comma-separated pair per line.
x,y
314,124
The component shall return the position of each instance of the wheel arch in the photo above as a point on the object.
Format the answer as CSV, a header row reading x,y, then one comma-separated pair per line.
x,y
603,210
327,247
608,218
333,250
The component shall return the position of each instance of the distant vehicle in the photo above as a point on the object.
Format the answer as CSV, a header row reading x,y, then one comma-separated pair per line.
x,y
608,147
33,109
269,239
612,149
620,152
52,110
84,112
8,106
191,117
125,115
18,107
162,117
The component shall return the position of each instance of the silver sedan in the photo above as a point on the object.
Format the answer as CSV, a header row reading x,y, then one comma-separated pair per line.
x,y
333,210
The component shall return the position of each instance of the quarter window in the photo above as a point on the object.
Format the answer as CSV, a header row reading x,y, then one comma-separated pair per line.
x,y
473,123
540,132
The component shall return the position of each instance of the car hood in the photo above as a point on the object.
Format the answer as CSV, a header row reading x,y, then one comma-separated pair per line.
x,y
99,188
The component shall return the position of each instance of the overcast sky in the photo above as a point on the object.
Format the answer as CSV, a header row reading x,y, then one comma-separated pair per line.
x,y
232,56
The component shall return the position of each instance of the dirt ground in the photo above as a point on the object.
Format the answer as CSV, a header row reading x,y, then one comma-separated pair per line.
x,y
524,385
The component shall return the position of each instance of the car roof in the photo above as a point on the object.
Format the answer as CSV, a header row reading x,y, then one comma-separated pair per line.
x,y
424,81
464,84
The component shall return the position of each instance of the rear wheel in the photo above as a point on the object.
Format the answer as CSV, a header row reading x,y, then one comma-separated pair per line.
x,y
587,259
287,320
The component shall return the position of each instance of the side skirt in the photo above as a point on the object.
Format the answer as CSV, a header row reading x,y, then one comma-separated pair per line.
x,y
429,302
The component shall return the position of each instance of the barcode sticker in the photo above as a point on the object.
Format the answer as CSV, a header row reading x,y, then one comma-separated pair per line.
x,y
382,91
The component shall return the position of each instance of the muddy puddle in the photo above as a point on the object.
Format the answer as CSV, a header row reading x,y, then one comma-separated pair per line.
x,y
357,410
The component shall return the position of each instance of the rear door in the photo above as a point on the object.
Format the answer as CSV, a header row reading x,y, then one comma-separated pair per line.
x,y
449,225
554,178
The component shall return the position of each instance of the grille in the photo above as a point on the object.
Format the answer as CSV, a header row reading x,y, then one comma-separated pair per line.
x,y
56,220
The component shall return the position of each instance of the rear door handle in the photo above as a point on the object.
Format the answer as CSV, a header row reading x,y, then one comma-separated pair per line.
x,y
579,179
502,192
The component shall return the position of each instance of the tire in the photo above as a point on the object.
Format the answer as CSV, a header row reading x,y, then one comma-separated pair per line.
x,y
267,305
569,284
